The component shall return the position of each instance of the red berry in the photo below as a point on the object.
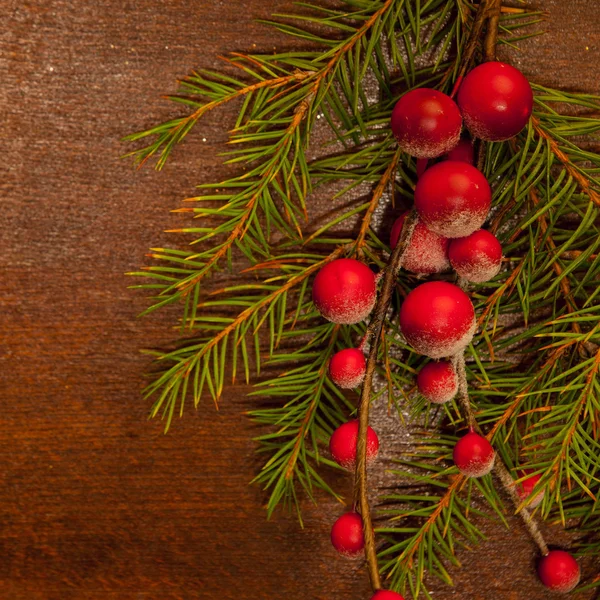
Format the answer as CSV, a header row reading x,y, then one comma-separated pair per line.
x,y
426,123
342,444
437,319
496,101
525,487
559,571
463,151
347,534
386,595
477,257
344,291
453,198
427,252
438,382
473,455
347,368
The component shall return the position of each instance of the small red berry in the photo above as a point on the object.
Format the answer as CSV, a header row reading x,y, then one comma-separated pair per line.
x,y
559,571
437,319
347,368
386,595
525,487
347,534
342,444
496,101
426,123
427,252
463,152
438,382
477,257
344,291
473,455
453,198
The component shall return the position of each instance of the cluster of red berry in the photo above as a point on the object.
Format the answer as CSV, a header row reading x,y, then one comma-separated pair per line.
x,y
437,318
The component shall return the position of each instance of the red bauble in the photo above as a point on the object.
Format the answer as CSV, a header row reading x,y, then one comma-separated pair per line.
x,y
477,257
347,368
426,123
386,595
473,455
463,152
559,571
342,444
525,487
347,534
453,198
496,101
437,319
427,252
438,382
344,291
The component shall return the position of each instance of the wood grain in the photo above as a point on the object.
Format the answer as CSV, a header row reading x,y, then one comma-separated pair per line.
x,y
95,501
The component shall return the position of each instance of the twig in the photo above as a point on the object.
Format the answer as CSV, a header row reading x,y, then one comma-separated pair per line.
x,y
361,500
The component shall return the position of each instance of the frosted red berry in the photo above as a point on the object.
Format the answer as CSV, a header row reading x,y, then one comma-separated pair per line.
x,y
453,198
525,487
476,257
559,571
426,123
427,251
386,595
495,100
344,291
473,455
347,534
437,319
343,442
438,382
347,368
463,152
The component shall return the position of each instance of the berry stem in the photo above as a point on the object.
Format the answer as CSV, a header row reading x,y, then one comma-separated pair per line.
x,y
500,469
375,328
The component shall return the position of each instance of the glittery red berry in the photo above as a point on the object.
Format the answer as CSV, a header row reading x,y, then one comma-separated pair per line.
x,y
453,198
525,487
559,571
438,382
476,257
473,455
344,291
347,368
342,444
347,534
437,319
496,101
463,152
426,123
386,595
427,251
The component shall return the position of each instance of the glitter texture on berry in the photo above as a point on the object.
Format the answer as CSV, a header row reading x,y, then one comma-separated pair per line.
x,y
343,442
438,382
477,257
559,571
473,455
347,368
525,487
347,534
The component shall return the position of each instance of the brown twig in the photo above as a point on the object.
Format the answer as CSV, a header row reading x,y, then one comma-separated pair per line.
x,y
361,500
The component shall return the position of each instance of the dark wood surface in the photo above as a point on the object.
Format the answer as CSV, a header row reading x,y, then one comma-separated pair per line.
x,y
95,501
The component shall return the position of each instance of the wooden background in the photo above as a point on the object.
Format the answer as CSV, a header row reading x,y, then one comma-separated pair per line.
x,y
95,501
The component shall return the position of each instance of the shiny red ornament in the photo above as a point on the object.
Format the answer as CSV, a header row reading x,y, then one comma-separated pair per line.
x,y
438,382
559,571
463,152
525,487
473,455
347,534
476,257
347,368
343,442
386,595
453,198
426,123
496,101
437,319
344,291
427,251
